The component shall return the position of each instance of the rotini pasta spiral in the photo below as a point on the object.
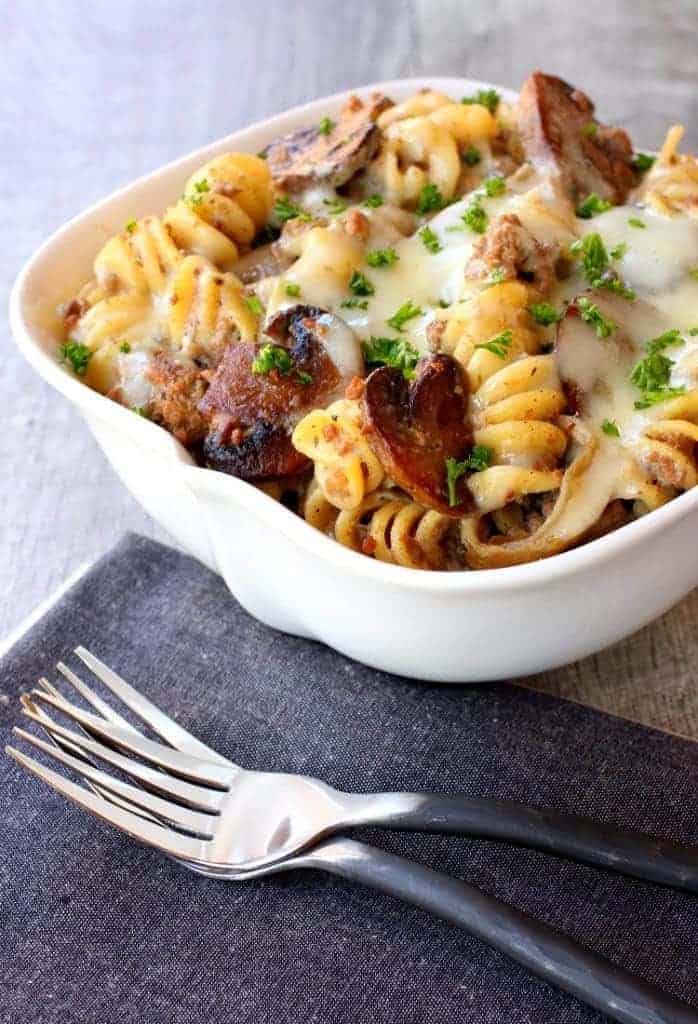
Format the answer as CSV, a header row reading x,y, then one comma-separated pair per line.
x,y
140,258
671,185
668,447
346,468
387,526
225,203
205,305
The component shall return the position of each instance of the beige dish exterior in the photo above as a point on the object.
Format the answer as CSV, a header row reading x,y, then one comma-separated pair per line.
x,y
450,627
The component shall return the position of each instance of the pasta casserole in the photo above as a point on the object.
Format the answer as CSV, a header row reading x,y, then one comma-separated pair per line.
x,y
451,333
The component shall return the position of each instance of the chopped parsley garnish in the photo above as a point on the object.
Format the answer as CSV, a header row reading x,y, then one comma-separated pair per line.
x,y
374,201
635,222
475,462
140,410
642,162
471,156
254,305
360,285
496,277
200,187
693,272
430,240
408,311
651,375
124,347
395,352
263,155
618,251
326,125
292,290
274,357
284,210
595,265
592,205
494,186
499,345
130,226
610,428
430,199
486,98
693,331
589,129
77,354
544,314
475,216
335,206
382,257
355,304
591,314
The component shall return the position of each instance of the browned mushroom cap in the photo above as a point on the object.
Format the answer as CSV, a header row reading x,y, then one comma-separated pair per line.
x,y
251,416
308,156
554,120
414,428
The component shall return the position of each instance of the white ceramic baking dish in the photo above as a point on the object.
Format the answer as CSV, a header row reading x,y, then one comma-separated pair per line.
x,y
451,627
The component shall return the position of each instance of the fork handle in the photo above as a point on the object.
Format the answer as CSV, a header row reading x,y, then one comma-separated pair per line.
x,y
543,950
581,839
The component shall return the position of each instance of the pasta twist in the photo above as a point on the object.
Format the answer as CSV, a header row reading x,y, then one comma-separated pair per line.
x,y
225,203
205,306
346,468
386,525
139,259
421,141
671,185
668,447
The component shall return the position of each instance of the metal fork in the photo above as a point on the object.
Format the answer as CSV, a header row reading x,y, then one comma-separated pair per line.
x,y
223,821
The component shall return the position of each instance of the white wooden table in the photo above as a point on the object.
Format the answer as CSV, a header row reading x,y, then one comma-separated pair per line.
x,y
93,94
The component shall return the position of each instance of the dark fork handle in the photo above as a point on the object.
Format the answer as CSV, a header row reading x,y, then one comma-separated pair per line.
x,y
631,853
543,950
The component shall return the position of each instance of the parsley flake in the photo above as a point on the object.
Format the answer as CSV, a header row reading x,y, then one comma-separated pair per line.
x,y
394,352
124,347
544,314
274,357
499,345
591,314
408,311
589,129
642,162
254,305
478,459
430,199
130,226
651,375
430,240
140,410
494,186
360,285
475,216
592,205
693,272
595,265
610,428
471,156
284,210
374,201
326,125
292,290
618,251
382,257
77,354
334,206
485,98
635,222
354,304
693,331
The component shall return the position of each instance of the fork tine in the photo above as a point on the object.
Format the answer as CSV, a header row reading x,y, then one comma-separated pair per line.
x,y
182,817
42,718
185,765
158,721
148,832
91,697
194,796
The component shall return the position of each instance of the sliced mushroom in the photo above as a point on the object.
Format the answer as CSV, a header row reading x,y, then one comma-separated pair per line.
x,y
309,156
561,138
415,427
251,415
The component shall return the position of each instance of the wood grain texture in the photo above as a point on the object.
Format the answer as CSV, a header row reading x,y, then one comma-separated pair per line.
x,y
94,94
